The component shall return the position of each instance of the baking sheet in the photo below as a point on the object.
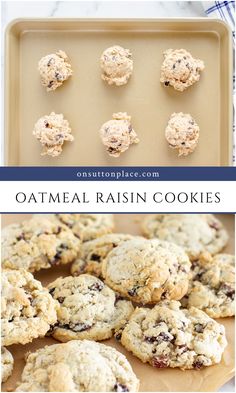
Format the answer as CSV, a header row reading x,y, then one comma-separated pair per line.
x,y
152,380
87,102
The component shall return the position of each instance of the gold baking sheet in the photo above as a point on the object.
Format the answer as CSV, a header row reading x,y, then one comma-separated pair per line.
x,y
152,380
87,102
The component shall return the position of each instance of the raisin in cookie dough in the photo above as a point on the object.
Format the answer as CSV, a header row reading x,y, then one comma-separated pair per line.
x,y
147,271
167,336
196,233
88,226
180,70
212,288
7,363
182,133
118,134
52,131
27,309
54,70
93,252
77,366
88,309
38,243
117,65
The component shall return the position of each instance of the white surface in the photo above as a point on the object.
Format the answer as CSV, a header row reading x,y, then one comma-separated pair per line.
x,y
101,9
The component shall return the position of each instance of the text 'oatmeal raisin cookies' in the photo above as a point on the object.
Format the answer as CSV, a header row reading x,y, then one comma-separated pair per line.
x,y
77,366
54,70
52,131
147,271
212,286
117,65
180,70
118,134
182,133
38,243
168,336
27,309
196,233
88,309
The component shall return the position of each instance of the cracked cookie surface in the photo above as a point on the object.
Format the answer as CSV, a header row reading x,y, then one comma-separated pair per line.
x,y
88,309
212,287
77,366
38,243
147,271
7,363
88,226
196,233
52,131
117,65
118,134
93,252
27,309
54,70
180,70
167,336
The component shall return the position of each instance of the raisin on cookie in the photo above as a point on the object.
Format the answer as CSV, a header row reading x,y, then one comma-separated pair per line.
x,y
77,366
167,336
88,309
196,233
38,243
212,287
147,271
27,309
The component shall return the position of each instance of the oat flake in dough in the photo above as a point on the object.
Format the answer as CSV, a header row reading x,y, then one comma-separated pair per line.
x,y
54,69
182,133
180,70
117,65
52,131
118,134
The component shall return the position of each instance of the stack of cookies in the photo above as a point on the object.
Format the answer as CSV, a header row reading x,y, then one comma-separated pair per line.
x,y
157,295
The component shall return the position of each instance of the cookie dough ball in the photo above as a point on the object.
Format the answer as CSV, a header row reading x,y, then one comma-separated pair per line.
x,y
147,271
168,336
54,69
117,65
7,363
118,134
182,133
180,70
52,131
